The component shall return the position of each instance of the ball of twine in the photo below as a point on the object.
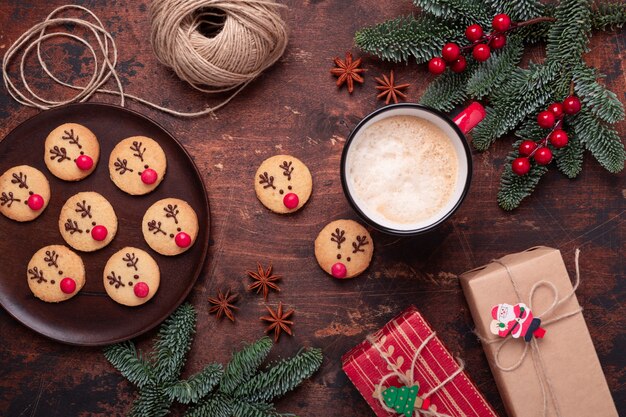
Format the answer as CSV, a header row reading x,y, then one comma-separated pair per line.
x,y
246,37
249,36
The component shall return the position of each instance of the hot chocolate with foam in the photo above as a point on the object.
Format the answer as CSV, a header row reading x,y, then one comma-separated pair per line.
x,y
402,170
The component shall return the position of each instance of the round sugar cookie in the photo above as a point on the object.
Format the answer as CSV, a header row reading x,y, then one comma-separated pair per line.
x,y
131,277
283,184
24,193
55,274
344,248
137,165
71,152
170,226
87,221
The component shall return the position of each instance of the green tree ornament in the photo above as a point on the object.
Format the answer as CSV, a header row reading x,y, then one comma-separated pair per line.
x,y
401,399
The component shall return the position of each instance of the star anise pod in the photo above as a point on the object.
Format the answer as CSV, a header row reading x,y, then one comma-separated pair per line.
x,y
264,280
222,305
278,321
388,88
348,71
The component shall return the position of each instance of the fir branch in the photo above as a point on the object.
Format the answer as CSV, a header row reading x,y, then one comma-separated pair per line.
x,y
514,188
174,341
130,362
569,159
495,70
465,11
448,89
151,402
602,102
244,364
608,16
600,139
197,386
569,36
281,378
517,9
406,36
522,94
216,406
246,409
529,129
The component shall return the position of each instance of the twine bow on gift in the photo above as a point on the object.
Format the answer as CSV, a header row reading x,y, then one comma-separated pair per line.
x,y
410,388
533,345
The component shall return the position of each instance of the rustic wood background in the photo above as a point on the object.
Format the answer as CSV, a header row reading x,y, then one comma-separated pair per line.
x,y
295,108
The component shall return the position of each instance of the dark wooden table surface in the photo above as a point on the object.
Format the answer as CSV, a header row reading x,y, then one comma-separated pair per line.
x,y
295,108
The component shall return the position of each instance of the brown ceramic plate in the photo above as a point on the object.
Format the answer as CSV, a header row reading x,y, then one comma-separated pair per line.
x,y
91,317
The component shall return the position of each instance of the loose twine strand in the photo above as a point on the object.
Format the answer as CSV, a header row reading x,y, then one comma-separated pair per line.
x,y
408,379
537,358
251,37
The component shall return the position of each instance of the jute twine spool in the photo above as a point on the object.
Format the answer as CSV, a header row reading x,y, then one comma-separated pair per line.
x,y
245,37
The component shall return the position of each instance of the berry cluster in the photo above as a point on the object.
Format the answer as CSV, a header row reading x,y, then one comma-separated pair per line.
x,y
551,118
481,46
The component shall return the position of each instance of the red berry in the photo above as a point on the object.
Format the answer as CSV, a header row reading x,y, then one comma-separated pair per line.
x,y
149,176
339,270
521,166
68,285
182,240
84,162
481,52
571,105
558,138
35,202
436,65
141,289
556,109
99,233
451,52
291,200
459,65
543,156
498,41
474,33
527,147
501,22
545,119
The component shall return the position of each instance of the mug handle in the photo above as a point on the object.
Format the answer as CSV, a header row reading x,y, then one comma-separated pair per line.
x,y
470,117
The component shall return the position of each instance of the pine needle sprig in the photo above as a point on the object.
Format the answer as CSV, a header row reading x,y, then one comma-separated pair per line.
x,y
244,364
514,188
568,38
467,12
608,16
174,341
130,362
518,9
407,36
216,406
448,90
600,139
197,386
569,159
602,102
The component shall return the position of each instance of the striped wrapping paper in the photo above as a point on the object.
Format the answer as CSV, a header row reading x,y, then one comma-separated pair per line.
x,y
399,340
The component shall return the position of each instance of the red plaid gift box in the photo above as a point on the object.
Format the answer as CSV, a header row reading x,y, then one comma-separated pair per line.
x,y
392,350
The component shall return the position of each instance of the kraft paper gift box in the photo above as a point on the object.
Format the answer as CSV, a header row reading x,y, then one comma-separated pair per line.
x,y
564,361
394,347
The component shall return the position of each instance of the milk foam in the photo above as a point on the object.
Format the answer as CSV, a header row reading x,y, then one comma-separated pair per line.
x,y
403,168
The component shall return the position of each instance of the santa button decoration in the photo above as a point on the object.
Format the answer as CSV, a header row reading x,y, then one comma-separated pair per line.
x,y
131,277
516,321
137,165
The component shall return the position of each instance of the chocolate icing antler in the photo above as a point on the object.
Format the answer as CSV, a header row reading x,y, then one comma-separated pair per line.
x,y
84,209
121,165
171,211
268,180
155,227
8,199
60,153
51,258
115,280
339,237
287,169
131,260
72,227
71,138
360,242
37,274
136,147
19,178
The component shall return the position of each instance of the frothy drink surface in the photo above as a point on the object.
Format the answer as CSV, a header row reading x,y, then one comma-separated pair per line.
x,y
404,168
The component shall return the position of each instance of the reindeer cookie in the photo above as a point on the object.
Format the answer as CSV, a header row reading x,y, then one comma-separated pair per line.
x,y
24,193
170,226
71,152
137,165
131,277
344,249
55,273
283,184
87,221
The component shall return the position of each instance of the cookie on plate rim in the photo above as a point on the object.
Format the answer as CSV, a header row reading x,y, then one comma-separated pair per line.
x,y
24,193
170,226
55,273
131,277
71,152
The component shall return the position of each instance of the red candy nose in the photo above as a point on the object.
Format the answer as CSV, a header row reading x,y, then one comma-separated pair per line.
x,y
141,289
68,285
35,202
84,162
291,201
339,270
149,176
99,233
182,240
